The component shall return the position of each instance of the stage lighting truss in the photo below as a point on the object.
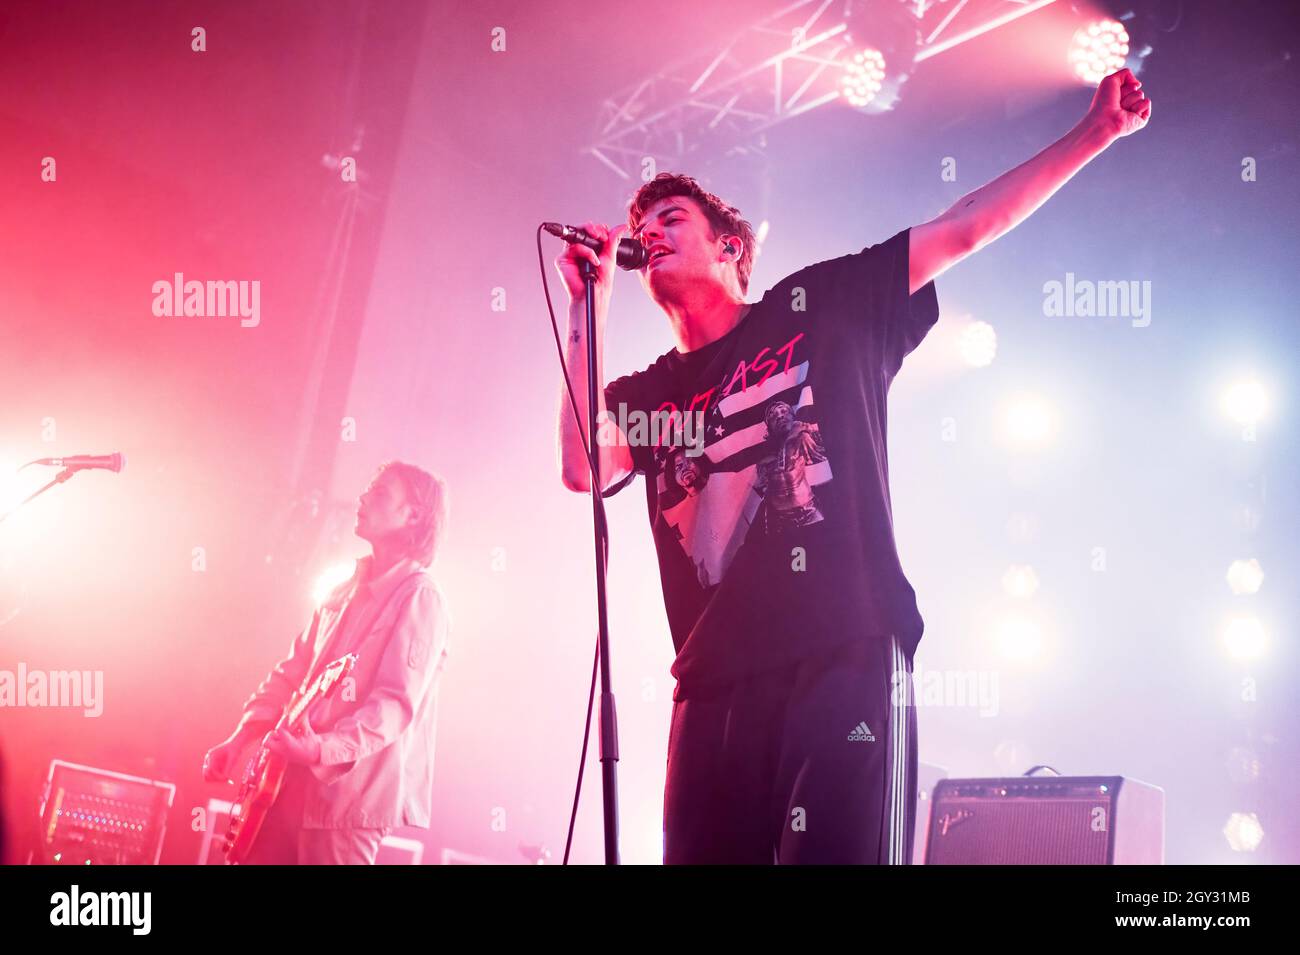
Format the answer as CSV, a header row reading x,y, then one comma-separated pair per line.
x,y
806,55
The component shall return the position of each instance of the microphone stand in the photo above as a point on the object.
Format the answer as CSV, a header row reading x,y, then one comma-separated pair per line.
x,y
59,478
608,711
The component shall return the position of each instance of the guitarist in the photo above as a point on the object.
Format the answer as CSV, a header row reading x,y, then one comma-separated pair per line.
x,y
363,763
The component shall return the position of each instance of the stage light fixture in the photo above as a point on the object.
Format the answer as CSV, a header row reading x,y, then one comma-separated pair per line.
x,y
1245,638
864,74
1028,420
1098,50
978,344
1245,576
1020,580
14,486
1245,402
1243,832
1019,638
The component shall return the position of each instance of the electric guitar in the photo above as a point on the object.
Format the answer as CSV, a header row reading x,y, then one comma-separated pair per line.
x,y
265,772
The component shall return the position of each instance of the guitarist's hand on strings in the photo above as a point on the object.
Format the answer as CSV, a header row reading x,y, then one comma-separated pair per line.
x,y
301,746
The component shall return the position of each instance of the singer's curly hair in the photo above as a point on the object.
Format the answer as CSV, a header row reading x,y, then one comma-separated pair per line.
x,y
722,217
427,494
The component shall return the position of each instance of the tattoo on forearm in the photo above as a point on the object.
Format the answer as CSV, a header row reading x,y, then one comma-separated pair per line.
x,y
576,337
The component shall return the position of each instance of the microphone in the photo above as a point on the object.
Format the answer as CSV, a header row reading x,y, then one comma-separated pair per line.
x,y
109,462
630,254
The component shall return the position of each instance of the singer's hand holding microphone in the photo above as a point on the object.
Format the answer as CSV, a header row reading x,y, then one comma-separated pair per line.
x,y
581,394
613,250
576,252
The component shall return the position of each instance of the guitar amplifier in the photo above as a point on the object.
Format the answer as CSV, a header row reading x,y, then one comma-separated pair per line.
x,y
1046,820
92,816
927,777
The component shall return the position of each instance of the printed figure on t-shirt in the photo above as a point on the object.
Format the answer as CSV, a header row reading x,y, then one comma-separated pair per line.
x,y
783,477
688,473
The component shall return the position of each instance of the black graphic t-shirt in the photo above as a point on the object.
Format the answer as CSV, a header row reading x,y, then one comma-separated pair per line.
x,y
772,521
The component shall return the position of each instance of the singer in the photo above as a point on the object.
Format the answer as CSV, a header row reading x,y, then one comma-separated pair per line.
x,y
364,764
793,733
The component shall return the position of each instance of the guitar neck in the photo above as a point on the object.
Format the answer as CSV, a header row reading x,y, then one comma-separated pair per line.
x,y
320,687
299,706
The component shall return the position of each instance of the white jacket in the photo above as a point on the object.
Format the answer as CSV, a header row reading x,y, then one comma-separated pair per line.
x,y
377,728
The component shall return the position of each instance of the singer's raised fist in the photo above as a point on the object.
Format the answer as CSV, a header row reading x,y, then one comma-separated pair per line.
x,y
574,253
1120,106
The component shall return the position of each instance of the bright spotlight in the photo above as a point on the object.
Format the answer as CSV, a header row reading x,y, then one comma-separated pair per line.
x,y
1020,580
35,518
1019,639
1028,421
978,344
1245,638
331,578
1245,402
863,77
1098,50
1243,832
1245,576
11,490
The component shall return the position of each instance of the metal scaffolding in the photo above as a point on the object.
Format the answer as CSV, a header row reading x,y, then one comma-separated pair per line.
x,y
784,65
